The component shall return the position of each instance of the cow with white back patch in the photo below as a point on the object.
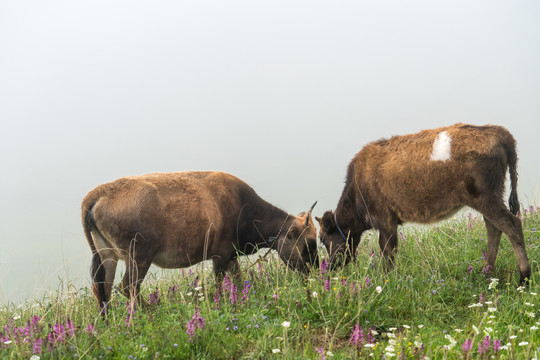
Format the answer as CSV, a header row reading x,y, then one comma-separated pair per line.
x,y
423,178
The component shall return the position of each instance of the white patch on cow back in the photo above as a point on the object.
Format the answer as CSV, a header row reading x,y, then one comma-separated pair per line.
x,y
441,147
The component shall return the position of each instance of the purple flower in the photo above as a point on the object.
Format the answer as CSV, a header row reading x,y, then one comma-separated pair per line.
x,y
367,281
327,284
484,346
496,346
153,298
467,345
36,346
357,336
323,267
470,269
245,291
90,329
196,322
320,350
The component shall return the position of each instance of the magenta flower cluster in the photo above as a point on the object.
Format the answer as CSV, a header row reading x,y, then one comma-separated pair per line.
x,y
32,335
196,322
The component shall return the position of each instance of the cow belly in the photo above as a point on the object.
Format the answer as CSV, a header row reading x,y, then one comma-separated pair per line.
x,y
175,260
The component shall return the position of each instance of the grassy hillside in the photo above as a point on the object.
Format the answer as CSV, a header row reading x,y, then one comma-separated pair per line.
x,y
440,302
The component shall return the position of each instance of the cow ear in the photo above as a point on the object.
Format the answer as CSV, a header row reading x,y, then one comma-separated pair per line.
x,y
328,222
306,224
319,220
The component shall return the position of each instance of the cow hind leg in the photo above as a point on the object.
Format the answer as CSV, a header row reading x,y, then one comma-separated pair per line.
x,y
137,264
103,270
502,219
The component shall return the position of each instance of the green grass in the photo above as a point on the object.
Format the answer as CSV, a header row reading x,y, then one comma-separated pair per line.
x,y
427,307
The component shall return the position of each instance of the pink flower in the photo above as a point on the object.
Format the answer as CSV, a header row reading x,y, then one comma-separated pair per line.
x,y
357,336
467,345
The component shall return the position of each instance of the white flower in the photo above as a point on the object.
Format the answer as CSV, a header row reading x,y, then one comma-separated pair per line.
x,y
452,341
34,357
459,331
512,337
420,326
492,309
369,345
418,344
276,351
378,289
523,343
286,324
406,326
16,317
392,329
530,314
329,353
534,327
493,283
476,305
189,293
198,288
315,294
534,294
7,342
476,330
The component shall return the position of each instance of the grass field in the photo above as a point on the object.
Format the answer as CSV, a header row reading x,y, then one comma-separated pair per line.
x,y
439,302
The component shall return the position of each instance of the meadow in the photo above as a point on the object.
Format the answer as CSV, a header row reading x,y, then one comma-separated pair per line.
x,y
440,302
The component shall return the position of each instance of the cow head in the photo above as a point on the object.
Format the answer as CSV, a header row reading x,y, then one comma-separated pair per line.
x,y
335,240
298,246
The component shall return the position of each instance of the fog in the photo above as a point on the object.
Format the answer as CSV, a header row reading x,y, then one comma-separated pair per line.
x,y
281,94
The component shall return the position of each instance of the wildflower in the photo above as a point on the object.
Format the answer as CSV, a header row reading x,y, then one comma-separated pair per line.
x,y
90,329
470,269
286,324
378,289
327,284
492,309
276,351
496,346
323,267
367,281
357,336
315,295
36,346
475,330
196,321
484,346
34,357
466,346
534,327
153,298
493,284
523,343
452,342
245,291
320,350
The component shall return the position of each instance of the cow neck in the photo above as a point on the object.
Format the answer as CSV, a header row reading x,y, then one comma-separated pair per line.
x,y
266,224
344,216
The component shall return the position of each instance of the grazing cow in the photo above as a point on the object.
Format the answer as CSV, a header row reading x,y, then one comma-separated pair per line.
x,y
423,178
175,220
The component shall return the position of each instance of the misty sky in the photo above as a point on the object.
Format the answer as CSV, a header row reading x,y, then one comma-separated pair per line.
x,y
280,93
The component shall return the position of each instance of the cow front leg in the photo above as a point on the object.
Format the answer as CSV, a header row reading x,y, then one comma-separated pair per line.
x,y
388,242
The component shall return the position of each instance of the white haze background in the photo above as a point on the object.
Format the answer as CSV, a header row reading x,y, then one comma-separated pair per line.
x,y
280,93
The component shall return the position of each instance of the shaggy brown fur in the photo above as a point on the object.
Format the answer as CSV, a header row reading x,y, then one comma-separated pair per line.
x,y
179,219
403,179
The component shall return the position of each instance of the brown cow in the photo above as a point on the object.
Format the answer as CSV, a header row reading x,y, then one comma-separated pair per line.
x,y
423,178
175,220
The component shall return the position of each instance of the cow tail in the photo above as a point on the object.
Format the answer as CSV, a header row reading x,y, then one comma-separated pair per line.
x,y
513,201
97,271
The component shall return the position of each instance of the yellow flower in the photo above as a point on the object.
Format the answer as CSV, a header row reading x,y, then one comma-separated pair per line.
x,y
386,280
